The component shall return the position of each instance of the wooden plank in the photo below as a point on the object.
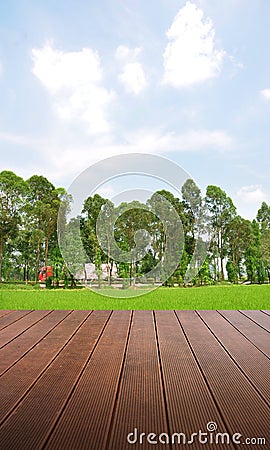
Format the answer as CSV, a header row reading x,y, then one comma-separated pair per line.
x,y
44,401
15,329
189,402
21,377
16,349
242,408
244,353
140,403
77,385
85,421
4,312
14,316
254,333
259,317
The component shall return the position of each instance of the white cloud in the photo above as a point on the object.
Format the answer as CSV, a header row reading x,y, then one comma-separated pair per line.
x,y
69,157
132,75
190,56
63,157
74,81
266,94
192,140
252,194
124,53
133,78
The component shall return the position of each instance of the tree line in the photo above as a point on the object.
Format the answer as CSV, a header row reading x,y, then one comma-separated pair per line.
x,y
239,248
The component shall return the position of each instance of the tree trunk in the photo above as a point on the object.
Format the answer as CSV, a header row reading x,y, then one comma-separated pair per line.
x,y
38,258
216,268
111,269
222,268
220,250
130,273
46,250
109,263
131,234
73,283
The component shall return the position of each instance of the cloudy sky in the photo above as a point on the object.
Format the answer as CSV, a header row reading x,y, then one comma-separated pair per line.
x,y
81,81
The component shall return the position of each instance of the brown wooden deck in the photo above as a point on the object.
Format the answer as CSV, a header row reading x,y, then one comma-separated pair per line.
x,y
86,379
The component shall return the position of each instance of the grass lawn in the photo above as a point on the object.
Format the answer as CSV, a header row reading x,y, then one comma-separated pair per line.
x,y
212,297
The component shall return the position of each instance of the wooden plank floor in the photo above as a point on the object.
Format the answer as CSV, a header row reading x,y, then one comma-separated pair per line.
x,y
87,379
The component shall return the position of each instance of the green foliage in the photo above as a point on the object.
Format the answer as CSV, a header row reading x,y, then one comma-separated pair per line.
x,y
91,210
232,271
221,212
263,217
204,274
29,211
12,192
49,281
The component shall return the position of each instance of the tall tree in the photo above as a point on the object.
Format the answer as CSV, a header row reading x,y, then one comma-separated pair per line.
x,y
263,219
105,227
196,238
171,232
42,212
12,195
240,237
91,210
24,246
253,256
265,248
193,205
222,211
132,217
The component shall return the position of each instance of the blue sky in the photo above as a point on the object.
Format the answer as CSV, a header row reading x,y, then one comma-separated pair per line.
x,y
81,81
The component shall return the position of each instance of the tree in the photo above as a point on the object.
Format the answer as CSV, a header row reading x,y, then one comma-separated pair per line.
x,y
91,210
196,238
265,246
167,228
24,244
43,203
133,217
192,205
98,265
135,233
232,271
73,251
105,233
204,274
263,219
12,196
222,211
58,264
56,197
253,256
240,236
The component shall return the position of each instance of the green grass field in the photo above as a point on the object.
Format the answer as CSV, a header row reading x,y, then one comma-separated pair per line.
x,y
214,297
